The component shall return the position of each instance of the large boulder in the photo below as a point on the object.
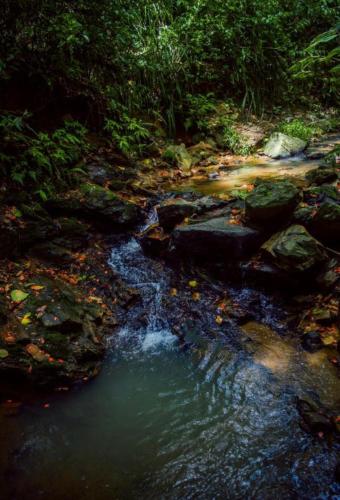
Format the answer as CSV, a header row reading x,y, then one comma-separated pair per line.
x,y
282,146
294,250
271,201
216,239
98,204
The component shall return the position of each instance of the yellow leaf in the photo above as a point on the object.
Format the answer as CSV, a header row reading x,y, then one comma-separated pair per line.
x,y
219,320
196,296
173,292
26,319
192,283
37,287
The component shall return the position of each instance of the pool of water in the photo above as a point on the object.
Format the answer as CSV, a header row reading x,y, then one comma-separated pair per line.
x,y
215,420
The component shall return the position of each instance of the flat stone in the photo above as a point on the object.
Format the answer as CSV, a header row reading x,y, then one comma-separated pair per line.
x,y
216,239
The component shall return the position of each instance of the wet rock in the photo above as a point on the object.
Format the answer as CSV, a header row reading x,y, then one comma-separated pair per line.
x,y
154,241
294,250
314,419
321,175
283,146
216,239
173,212
55,335
326,222
271,201
97,204
312,342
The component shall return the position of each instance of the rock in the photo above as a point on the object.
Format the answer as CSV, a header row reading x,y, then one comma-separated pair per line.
x,y
179,155
283,146
51,252
318,194
61,339
326,222
321,175
315,419
252,135
201,151
303,215
323,146
173,212
216,239
271,201
154,241
328,276
294,250
99,205
312,342
106,175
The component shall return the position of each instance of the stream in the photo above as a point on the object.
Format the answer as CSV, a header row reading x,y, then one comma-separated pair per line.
x,y
211,417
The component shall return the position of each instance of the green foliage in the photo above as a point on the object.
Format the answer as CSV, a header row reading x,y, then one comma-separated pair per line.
x,y
299,128
321,62
199,110
231,139
31,158
128,133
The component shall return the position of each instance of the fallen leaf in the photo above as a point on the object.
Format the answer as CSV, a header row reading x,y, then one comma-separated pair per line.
x,y
173,292
192,283
3,353
219,320
18,296
196,296
37,287
26,319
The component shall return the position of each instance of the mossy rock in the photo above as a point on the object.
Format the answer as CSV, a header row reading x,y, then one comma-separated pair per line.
x,y
271,202
294,250
321,175
97,204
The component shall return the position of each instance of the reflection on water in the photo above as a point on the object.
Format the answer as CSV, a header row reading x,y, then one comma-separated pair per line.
x,y
214,421
236,178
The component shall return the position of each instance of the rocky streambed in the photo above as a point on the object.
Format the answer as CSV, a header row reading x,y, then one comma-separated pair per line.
x,y
215,320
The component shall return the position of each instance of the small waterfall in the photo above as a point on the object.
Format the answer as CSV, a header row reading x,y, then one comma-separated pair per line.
x,y
152,281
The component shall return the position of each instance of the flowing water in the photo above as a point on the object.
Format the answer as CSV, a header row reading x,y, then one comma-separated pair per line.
x,y
217,420
212,416
247,172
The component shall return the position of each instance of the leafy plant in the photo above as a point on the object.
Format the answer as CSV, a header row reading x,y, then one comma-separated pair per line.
x,y
299,128
30,157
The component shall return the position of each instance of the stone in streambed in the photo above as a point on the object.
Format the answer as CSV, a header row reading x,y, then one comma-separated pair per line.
x,y
216,239
282,146
325,224
271,202
294,250
173,212
99,205
322,175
